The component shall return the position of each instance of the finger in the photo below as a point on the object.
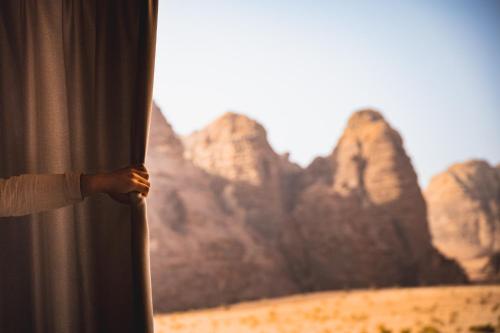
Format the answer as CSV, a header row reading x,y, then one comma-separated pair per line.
x,y
144,174
140,187
141,169
140,178
142,181
146,183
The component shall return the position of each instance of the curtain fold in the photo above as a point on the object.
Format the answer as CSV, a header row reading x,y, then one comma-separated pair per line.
x,y
75,95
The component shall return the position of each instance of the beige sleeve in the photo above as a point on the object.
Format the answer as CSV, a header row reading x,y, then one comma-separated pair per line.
x,y
27,194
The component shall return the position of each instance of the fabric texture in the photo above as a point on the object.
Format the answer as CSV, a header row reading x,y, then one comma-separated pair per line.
x,y
28,194
75,95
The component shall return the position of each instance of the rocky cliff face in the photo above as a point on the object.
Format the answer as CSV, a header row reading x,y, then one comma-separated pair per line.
x,y
235,148
464,217
232,220
203,253
362,217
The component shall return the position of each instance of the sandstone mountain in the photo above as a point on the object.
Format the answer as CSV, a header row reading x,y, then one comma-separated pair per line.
x,y
362,219
202,254
233,220
464,217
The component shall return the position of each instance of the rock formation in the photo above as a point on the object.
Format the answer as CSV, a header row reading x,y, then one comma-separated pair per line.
x,y
235,148
232,220
362,217
464,217
202,251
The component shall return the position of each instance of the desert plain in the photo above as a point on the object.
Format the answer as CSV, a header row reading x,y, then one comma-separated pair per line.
x,y
396,310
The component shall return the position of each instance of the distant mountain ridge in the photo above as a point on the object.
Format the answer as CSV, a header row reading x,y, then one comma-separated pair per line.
x,y
232,220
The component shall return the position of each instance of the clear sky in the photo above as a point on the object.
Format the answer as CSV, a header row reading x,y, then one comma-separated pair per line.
x,y
301,67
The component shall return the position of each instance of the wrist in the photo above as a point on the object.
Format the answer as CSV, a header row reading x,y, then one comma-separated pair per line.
x,y
89,185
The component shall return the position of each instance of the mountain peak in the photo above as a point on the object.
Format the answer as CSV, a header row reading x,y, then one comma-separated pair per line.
x,y
162,137
472,163
233,146
363,117
236,126
234,115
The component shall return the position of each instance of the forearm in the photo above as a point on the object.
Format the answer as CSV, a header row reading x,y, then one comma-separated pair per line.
x,y
89,185
27,194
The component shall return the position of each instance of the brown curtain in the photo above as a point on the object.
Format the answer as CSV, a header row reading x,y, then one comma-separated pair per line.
x,y
75,95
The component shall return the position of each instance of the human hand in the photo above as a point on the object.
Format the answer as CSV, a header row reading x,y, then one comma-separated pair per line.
x,y
117,184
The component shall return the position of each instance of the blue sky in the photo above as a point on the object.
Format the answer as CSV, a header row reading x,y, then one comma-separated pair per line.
x,y
301,68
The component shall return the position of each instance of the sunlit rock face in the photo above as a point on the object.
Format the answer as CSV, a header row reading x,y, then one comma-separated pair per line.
x,y
202,251
235,148
363,222
464,217
232,220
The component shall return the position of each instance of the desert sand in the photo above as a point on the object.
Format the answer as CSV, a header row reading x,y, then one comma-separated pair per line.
x,y
413,310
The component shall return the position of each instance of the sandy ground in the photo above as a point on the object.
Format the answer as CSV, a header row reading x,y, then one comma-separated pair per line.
x,y
413,310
